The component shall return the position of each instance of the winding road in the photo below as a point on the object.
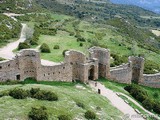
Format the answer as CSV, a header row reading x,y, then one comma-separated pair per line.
x,y
7,51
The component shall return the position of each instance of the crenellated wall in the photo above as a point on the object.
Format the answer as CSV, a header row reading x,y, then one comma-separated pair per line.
x,y
76,66
122,73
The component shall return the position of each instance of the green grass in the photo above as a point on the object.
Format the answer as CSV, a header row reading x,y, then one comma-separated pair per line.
x,y
134,106
62,39
116,87
68,95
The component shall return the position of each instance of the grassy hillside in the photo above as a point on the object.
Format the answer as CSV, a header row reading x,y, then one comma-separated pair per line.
x,y
121,37
69,94
9,29
100,10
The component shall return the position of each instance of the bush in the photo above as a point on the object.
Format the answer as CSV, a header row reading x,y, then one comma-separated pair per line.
x,y
4,93
148,104
156,95
46,95
156,107
81,39
63,53
63,117
23,45
81,44
45,48
38,114
79,104
56,47
33,42
90,115
18,93
33,91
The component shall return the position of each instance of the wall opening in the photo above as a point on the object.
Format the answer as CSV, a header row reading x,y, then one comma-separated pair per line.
x,y
91,73
18,77
136,75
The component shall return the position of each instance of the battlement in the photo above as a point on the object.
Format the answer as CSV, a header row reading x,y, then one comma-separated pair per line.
x,y
76,66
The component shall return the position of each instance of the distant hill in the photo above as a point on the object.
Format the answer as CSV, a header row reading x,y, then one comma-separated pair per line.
x,y
153,5
101,10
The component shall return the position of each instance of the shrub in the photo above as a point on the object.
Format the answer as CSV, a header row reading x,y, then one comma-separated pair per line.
x,y
18,93
141,97
33,91
79,104
4,93
63,117
45,48
81,39
63,53
38,113
112,65
81,44
46,95
33,42
156,95
56,47
90,115
23,45
156,107
148,104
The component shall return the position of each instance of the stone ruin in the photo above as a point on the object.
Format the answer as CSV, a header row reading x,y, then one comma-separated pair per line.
x,y
76,66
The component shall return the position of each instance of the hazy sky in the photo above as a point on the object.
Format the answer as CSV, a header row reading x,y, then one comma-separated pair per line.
x,y
153,5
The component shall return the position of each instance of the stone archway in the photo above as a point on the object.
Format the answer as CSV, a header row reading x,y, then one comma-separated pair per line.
x,y
91,73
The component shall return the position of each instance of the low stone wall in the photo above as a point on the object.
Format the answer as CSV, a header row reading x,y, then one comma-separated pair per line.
x,y
122,74
151,80
60,72
9,70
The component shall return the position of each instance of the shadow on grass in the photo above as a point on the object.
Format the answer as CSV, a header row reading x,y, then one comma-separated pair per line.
x,y
34,81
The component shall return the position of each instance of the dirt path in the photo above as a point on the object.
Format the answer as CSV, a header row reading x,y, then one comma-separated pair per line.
x,y
6,52
136,103
127,110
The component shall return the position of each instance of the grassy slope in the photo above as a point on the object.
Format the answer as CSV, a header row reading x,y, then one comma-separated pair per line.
x,y
68,94
111,40
118,87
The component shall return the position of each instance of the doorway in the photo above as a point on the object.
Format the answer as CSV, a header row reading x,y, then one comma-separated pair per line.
x,y
18,77
91,73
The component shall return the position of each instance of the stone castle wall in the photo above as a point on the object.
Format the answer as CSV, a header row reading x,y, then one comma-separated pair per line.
x,y
103,56
151,80
76,66
122,73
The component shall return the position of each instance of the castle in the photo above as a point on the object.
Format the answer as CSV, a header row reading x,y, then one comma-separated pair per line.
x,y
76,66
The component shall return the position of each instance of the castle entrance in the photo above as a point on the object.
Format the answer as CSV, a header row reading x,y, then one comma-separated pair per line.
x,y
91,73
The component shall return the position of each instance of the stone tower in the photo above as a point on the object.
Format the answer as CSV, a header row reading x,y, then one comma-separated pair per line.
x,y
29,64
103,56
137,69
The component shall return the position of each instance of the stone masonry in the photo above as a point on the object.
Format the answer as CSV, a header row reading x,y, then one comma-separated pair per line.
x,y
76,66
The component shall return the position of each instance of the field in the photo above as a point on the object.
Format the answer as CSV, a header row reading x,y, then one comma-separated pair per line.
x,y
103,35
68,93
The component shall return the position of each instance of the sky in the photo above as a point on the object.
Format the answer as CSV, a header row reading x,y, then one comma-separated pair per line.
x,y
153,5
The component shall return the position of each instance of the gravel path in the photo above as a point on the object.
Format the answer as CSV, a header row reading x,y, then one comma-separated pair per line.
x,y
127,110
7,51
